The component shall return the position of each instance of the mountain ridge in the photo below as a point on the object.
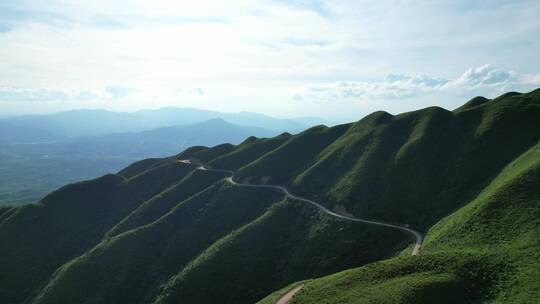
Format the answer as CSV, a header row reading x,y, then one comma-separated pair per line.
x,y
188,236
76,123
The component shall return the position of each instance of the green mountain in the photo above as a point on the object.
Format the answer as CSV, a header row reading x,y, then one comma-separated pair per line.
x,y
485,252
162,231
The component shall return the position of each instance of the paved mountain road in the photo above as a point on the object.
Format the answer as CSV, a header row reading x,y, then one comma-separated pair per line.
x,y
417,235
286,298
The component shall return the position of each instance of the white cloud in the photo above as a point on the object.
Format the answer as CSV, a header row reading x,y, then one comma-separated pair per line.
x,y
334,98
253,55
491,81
16,94
117,91
24,94
484,79
485,75
183,92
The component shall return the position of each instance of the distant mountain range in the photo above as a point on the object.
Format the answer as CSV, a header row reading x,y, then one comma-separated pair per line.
x,y
42,128
39,153
33,162
163,231
159,142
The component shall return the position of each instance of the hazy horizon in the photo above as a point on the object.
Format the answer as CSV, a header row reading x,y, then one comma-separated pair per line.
x,y
128,111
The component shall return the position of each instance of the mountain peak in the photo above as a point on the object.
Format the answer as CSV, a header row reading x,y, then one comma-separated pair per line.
x,y
218,121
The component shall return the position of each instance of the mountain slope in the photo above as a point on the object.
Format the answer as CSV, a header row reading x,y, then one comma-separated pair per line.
x,y
155,251
485,251
160,232
37,239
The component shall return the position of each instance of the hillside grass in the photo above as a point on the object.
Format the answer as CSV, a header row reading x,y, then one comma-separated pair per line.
x,y
488,251
6,212
213,152
37,239
292,157
418,167
161,232
291,241
130,266
159,205
248,151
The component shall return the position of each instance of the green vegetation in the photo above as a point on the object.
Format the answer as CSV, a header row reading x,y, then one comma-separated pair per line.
x,y
140,167
162,232
291,241
485,251
248,151
160,204
293,156
416,167
6,212
37,239
209,154
134,263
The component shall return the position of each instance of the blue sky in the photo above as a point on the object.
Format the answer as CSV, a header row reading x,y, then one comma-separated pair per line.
x,y
335,59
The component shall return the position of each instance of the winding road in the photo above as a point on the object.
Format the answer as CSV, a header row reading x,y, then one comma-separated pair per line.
x,y
417,235
286,298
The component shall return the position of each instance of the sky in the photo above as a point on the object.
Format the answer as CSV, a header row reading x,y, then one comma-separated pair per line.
x,y
339,60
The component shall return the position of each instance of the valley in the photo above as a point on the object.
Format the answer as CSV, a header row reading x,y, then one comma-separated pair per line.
x,y
39,154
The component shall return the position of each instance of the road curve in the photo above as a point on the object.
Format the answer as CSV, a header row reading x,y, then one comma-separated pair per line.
x,y
286,298
417,235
